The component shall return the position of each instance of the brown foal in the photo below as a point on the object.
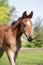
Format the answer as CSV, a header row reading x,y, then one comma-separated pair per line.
x,y
10,36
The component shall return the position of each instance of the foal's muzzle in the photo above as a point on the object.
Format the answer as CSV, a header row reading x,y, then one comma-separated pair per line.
x,y
30,38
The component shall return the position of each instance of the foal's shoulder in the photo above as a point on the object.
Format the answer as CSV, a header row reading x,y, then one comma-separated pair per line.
x,y
2,27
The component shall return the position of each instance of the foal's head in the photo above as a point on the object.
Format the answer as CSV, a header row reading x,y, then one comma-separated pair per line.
x,y
26,25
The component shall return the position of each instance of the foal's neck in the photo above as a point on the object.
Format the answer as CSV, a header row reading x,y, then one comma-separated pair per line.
x,y
17,32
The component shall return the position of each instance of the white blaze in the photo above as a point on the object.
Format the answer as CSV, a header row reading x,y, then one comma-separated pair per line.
x,y
28,23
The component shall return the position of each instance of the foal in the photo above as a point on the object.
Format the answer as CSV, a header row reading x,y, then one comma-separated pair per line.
x,y
10,37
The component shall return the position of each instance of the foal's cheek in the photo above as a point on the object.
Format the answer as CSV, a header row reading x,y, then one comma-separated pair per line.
x,y
22,29
25,30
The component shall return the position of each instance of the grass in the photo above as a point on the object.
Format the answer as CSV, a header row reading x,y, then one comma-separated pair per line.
x,y
25,58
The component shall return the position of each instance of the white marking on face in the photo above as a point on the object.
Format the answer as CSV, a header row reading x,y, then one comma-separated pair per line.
x,y
28,23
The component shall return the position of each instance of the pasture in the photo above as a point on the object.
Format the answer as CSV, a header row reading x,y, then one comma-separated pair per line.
x,y
26,56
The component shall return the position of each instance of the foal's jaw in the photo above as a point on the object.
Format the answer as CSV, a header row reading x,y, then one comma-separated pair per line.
x,y
29,38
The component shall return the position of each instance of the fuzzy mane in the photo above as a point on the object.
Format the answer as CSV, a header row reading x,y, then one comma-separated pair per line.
x,y
15,21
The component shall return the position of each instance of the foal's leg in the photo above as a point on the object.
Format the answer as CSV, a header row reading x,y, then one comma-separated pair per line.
x,y
10,55
15,56
18,48
1,52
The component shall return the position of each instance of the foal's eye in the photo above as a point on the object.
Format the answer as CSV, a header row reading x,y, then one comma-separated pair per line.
x,y
24,25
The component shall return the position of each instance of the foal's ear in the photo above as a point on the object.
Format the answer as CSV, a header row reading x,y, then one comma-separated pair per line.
x,y
30,15
24,15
